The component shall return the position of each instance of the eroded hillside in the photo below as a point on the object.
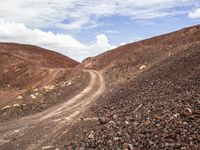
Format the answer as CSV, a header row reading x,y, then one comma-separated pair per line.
x,y
33,79
152,96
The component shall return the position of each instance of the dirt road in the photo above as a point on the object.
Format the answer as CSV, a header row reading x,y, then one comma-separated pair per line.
x,y
39,131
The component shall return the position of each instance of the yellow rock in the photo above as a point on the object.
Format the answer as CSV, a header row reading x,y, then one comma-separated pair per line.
x,y
16,105
35,90
6,107
49,87
19,97
33,96
142,67
69,83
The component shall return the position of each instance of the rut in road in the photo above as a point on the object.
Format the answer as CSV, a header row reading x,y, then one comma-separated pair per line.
x,y
42,129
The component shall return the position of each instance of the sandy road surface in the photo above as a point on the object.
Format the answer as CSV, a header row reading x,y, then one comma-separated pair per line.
x,y
39,131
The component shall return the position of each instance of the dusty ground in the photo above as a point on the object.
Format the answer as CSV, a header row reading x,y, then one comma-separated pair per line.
x,y
45,97
42,130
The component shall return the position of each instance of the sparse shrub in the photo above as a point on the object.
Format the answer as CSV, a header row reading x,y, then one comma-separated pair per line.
x,y
29,89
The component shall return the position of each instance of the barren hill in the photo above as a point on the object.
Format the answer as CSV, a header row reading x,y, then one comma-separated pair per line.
x,y
135,57
33,78
26,65
152,95
158,109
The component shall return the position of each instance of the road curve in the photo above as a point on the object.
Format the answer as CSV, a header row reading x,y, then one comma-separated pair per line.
x,y
39,130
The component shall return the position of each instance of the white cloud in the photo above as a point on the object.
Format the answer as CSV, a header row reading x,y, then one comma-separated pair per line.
x,y
195,14
77,24
102,43
75,14
62,43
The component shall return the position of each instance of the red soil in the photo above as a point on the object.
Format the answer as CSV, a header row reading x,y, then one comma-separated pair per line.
x,y
26,65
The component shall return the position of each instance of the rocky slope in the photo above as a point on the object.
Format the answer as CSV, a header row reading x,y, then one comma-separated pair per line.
x,y
123,63
152,96
160,109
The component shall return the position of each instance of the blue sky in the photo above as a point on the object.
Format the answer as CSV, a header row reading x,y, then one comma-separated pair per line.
x,y
84,28
124,29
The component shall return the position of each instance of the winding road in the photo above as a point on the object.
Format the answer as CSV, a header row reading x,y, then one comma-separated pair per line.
x,y
40,130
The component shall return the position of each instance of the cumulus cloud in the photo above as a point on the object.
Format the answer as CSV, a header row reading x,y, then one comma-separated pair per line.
x,y
75,14
62,43
102,42
195,14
